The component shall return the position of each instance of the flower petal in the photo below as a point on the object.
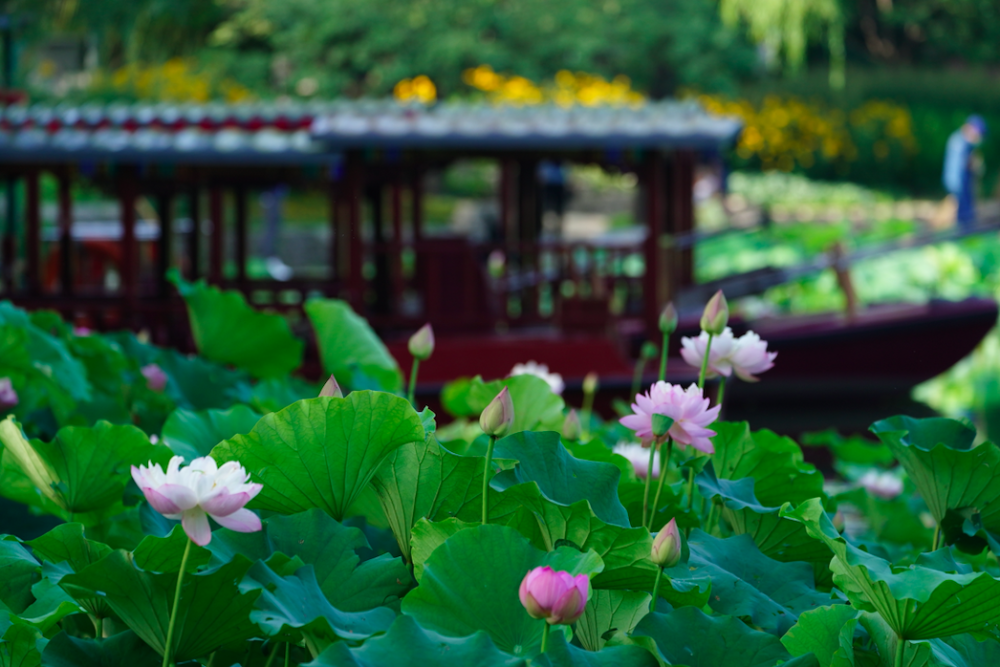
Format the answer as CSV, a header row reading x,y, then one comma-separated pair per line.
x,y
195,523
225,503
180,496
242,521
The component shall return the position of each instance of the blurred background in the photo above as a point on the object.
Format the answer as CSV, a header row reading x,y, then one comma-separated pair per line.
x,y
825,217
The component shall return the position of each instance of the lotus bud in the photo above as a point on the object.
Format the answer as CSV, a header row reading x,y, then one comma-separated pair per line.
x,y
648,351
668,319
716,315
590,383
667,546
556,596
156,379
498,415
421,344
571,429
331,388
8,397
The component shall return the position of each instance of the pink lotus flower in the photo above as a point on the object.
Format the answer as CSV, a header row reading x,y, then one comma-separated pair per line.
x,y
156,379
558,597
8,397
638,457
667,546
81,331
200,489
746,356
883,485
688,408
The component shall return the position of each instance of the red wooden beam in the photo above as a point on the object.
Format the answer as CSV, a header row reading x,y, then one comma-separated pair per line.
x,y
33,230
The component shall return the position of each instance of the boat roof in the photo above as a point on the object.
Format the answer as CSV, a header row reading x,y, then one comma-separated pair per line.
x,y
296,134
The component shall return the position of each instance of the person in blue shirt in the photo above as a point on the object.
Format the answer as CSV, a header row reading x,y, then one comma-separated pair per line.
x,y
961,167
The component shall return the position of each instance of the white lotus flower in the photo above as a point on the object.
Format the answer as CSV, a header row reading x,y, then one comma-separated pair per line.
x,y
540,370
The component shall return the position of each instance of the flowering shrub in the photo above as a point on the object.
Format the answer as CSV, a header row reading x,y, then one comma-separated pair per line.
x,y
174,80
343,526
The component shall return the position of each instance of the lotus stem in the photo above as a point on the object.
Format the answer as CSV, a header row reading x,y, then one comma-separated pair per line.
x,y
288,653
656,590
274,654
663,358
722,392
900,644
168,649
937,537
649,480
545,636
640,366
664,462
486,480
410,395
704,363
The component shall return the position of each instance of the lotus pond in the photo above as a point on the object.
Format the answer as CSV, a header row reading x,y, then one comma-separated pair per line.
x,y
216,510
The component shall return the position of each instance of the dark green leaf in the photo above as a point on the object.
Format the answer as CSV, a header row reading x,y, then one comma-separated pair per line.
x,y
18,572
124,649
609,611
536,408
349,348
192,434
818,632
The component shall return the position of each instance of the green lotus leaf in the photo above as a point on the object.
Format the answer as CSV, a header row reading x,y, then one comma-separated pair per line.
x,y
191,433
918,602
470,583
22,645
313,538
608,612
18,572
349,349
124,649
322,452
559,476
212,610
535,406
818,631
227,330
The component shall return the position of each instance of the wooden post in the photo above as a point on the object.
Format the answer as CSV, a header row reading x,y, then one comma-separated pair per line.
x,y
164,211
334,248
682,190
652,292
216,250
241,237
65,231
127,193
33,229
10,236
417,202
194,238
383,280
354,192
398,284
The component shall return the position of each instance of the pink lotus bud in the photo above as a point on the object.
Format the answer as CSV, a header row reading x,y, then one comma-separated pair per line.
x,y
498,415
558,597
571,428
331,388
421,344
156,379
8,397
716,314
81,331
668,319
667,546
884,485
688,408
201,490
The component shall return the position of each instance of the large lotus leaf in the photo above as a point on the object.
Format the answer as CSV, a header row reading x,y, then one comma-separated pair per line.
x,y
686,636
84,469
745,582
424,480
406,644
535,406
625,551
68,543
349,348
22,645
818,631
294,605
313,538
212,610
18,572
322,452
887,644
948,474
470,583
124,649
192,433
51,605
596,450
165,554
274,394
561,653
428,536
918,602
776,537
774,462
559,477
198,384
608,612
227,330
965,651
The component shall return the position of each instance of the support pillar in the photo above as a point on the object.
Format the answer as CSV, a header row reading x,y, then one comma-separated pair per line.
x,y
241,238
65,231
396,212
9,248
194,238
216,250
127,193
164,210
33,229
354,192
655,293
